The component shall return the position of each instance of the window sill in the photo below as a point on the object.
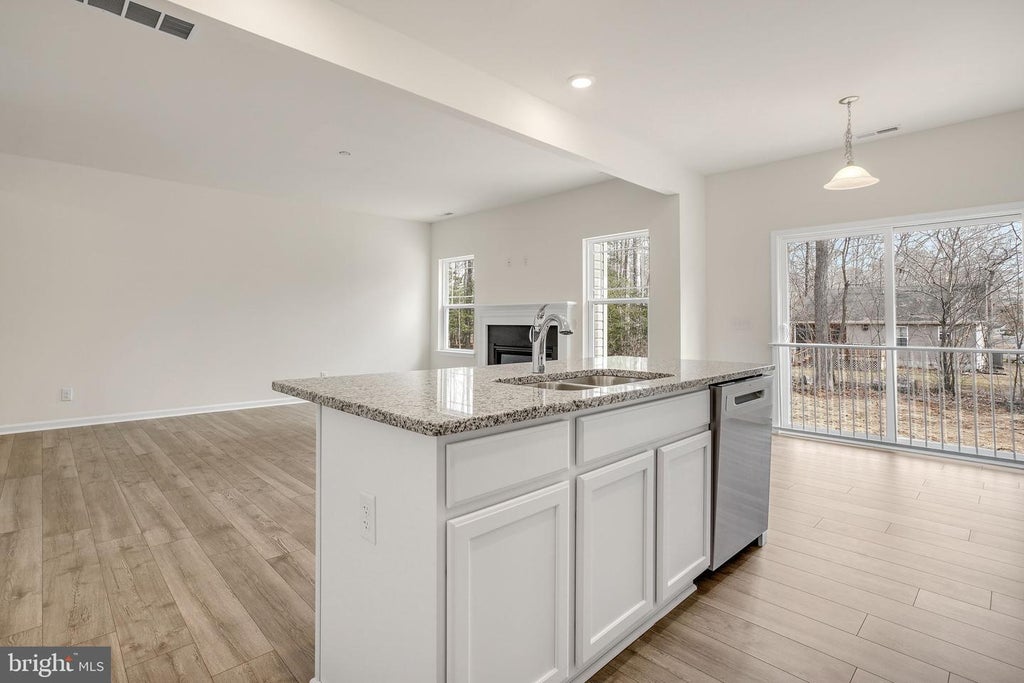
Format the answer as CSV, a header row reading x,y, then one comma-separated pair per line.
x,y
458,352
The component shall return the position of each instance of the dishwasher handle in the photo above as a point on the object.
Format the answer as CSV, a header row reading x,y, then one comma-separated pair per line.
x,y
747,395
747,398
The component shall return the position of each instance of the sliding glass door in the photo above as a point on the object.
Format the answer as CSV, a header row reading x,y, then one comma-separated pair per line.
x,y
836,303
907,333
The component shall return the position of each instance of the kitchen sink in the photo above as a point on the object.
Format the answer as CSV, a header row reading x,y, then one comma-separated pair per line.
x,y
581,382
604,380
558,386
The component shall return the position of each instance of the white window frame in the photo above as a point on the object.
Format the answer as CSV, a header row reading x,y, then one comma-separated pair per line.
x,y
905,336
444,306
588,290
886,228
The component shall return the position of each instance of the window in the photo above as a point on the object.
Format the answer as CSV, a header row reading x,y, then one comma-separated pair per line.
x,y
836,289
930,287
457,294
956,282
961,278
617,272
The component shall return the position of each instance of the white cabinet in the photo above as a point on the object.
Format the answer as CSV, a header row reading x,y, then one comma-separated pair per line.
x,y
684,513
508,591
526,553
623,431
490,464
614,552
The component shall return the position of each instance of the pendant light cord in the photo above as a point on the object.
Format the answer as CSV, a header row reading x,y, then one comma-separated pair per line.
x,y
848,139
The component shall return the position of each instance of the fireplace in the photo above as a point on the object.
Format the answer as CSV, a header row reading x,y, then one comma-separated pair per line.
x,y
511,344
502,333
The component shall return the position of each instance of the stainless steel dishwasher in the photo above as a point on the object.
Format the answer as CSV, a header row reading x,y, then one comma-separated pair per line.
x,y
742,423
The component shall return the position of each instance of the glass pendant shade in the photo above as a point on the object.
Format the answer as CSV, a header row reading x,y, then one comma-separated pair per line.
x,y
850,177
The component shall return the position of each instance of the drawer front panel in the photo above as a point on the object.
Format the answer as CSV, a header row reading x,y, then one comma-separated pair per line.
x,y
489,464
624,430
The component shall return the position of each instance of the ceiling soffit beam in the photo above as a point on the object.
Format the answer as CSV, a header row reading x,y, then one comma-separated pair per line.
x,y
340,36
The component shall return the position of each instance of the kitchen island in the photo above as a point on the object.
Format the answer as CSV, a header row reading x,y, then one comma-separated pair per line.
x,y
471,527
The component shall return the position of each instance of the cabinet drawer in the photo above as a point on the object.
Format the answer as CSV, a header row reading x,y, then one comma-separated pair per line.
x,y
489,464
624,430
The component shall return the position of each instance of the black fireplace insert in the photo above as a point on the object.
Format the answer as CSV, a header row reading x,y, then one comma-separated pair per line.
x,y
511,344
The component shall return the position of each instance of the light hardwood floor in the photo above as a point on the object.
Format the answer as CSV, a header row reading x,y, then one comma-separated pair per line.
x,y
186,544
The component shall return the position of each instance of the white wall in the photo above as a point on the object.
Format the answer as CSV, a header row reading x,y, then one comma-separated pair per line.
x,y
969,164
150,295
543,239
692,270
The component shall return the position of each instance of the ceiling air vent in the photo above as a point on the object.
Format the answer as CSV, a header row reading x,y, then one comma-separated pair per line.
x,y
176,27
115,6
142,14
147,16
880,131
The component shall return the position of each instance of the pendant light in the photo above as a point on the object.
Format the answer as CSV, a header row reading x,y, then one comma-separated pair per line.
x,y
851,176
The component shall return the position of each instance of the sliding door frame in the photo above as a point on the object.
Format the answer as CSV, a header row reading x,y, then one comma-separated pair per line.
x,y
886,228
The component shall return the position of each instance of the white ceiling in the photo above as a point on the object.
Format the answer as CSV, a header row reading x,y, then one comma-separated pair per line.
x,y
681,84
734,83
228,109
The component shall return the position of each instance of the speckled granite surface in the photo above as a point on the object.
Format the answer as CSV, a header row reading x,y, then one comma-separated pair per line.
x,y
454,400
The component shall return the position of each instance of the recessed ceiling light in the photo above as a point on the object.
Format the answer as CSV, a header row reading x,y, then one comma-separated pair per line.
x,y
448,213
581,81
344,153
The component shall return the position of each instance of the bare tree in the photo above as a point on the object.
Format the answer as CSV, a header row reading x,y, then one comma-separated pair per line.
x,y
1009,313
822,335
953,274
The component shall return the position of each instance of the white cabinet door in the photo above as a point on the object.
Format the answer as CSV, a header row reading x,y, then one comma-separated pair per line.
x,y
684,513
508,591
614,553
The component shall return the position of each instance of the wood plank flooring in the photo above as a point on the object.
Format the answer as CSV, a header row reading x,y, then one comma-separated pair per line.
x,y
155,538
879,567
186,544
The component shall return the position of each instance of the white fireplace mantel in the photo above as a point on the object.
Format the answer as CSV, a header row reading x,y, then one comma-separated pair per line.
x,y
519,314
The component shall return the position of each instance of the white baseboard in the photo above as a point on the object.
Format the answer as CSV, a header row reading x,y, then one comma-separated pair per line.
x,y
144,415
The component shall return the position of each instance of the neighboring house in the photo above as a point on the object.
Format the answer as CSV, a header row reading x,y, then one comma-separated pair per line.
x,y
917,324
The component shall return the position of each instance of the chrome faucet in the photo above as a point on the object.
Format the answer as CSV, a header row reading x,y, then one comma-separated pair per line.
x,y
539,334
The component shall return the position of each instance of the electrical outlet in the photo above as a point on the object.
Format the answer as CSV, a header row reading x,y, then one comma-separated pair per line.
x,y
67,394
368,518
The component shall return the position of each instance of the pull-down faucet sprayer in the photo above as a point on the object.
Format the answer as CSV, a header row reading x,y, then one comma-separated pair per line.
x,y
539,334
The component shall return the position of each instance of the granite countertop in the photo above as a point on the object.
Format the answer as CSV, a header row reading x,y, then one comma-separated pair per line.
x,y
455,400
